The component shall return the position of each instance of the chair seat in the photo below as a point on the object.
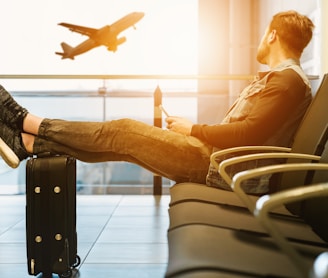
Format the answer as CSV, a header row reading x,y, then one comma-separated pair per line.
x,y
203,247
226,216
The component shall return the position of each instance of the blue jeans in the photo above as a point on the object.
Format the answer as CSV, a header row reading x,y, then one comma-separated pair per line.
x,y
174,156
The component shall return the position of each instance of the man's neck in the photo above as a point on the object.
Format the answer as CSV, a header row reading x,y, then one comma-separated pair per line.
x,y
278,57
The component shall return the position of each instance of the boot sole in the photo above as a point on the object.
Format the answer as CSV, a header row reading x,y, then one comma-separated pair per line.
x,y
8,155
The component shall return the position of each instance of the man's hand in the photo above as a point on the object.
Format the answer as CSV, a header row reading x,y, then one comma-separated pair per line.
x,y
178,124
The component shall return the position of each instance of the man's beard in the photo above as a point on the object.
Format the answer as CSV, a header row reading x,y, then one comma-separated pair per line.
x,y
263,53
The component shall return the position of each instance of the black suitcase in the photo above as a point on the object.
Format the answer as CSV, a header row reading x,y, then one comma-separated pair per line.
x,y
51,235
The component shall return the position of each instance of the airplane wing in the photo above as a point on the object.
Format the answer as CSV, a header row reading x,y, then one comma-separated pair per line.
x,y
79,29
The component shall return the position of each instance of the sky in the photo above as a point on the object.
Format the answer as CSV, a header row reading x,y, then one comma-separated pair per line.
x,y
164,41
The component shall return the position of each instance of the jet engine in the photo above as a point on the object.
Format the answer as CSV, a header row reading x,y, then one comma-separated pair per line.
x,y
119,41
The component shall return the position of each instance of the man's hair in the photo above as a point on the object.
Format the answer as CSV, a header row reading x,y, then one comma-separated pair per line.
x,y
294,30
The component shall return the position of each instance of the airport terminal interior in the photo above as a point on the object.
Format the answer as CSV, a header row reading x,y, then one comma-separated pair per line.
x,y
193,55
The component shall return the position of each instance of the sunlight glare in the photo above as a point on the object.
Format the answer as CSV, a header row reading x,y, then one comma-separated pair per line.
x,y
164,42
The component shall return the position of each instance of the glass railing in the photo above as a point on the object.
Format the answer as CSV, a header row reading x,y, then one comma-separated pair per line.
x,y
108,97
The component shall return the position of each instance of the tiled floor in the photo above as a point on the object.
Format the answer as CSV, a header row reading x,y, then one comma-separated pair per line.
x,y
118,236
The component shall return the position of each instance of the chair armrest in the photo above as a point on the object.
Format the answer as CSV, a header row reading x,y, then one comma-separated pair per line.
x,y
244,158
253,173
268,202
230,151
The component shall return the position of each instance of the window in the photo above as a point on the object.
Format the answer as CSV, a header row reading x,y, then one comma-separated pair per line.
x,y
164,42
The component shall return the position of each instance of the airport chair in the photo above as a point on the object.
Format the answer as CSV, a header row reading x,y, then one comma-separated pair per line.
x,y
312,203
306,141
231,216
198,248
241,252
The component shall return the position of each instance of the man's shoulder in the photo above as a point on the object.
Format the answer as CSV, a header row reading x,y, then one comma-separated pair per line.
x,y
289,79
293,74
287,74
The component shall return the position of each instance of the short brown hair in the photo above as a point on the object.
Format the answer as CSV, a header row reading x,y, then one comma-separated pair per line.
x,y
294,30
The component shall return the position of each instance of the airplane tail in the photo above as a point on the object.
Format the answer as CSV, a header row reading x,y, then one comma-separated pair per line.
x,y
67,51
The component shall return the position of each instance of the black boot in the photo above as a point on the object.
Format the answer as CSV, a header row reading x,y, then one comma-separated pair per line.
x,y
11,113
11,147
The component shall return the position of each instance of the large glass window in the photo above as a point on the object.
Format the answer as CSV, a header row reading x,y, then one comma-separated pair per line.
x,y
164,42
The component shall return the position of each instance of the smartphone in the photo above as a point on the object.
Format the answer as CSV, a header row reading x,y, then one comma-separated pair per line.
x,y
164,111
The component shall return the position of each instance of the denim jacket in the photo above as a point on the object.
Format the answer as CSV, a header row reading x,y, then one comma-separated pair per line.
x,y
282,137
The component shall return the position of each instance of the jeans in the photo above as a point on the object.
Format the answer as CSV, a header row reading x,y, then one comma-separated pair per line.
x,y
172,155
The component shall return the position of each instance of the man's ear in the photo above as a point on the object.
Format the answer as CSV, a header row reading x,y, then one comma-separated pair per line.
x,y
272,36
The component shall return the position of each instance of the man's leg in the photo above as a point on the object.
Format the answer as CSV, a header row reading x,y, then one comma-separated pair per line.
x,y
175,156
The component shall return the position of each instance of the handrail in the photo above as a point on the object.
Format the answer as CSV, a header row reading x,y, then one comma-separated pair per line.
x,y
126,76
122,93
129,76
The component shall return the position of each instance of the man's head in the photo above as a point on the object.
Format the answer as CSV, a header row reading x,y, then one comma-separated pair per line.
x,y
292,30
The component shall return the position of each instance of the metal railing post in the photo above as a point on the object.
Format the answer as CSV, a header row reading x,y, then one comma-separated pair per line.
x,y
157,180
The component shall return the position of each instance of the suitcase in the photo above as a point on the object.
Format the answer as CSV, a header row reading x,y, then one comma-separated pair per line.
x,y
51,235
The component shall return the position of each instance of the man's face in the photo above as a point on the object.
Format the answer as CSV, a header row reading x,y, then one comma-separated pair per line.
x,y
263,49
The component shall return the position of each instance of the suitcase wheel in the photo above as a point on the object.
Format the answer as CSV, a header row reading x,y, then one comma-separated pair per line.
x,y
77,261
67,274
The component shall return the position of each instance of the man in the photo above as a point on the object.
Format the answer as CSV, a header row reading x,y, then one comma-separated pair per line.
x,y
267,112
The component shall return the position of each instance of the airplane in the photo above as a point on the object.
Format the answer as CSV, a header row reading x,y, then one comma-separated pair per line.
x,y
106,35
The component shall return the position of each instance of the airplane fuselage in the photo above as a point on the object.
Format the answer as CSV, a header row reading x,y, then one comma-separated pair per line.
x,y
127,21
